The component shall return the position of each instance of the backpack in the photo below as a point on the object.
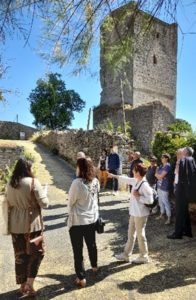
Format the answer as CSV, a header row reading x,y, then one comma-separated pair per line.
x,y
155,197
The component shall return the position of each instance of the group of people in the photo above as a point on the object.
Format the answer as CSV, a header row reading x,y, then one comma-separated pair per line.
x,y
25,197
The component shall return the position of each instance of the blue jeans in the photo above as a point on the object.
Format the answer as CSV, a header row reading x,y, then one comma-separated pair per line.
x,y
164,202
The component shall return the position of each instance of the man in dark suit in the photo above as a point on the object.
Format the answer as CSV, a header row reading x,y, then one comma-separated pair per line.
x,y
185,190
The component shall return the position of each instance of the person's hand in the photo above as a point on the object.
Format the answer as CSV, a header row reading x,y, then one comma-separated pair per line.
x,y
136,194
110,175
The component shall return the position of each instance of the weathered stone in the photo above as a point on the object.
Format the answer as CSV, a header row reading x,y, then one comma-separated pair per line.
x,y
97,141
148,76
12,130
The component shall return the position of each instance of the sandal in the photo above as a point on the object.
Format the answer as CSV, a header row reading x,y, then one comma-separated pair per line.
x,y
80,282
21,289
28,291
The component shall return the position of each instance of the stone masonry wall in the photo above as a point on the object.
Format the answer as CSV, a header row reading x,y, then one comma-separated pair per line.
x,y
149,73
12,130
145,121
68,143
9,154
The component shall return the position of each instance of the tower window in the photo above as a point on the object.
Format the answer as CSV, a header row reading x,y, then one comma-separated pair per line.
x,y
157,35
154,59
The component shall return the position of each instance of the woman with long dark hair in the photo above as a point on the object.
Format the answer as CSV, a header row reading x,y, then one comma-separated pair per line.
x,y
25,197
83,214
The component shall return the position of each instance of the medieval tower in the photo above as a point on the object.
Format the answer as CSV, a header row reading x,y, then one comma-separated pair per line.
x,y
145,81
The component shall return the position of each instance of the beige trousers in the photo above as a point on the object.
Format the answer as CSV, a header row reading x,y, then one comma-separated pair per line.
x,y
136,228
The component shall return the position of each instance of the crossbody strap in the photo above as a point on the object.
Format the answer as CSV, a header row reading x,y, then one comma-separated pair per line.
x,y
140,185
30,209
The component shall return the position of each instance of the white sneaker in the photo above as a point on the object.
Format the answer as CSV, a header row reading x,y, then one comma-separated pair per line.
x,y
168,222
141,260
122,257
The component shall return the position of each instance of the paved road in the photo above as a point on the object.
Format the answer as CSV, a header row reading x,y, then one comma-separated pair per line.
x,y
170,275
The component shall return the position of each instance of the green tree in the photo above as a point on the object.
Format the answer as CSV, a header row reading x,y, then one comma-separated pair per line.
x,y
52,105
168,142
180,126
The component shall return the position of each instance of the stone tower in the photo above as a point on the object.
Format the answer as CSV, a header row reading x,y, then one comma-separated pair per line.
x,y
148,73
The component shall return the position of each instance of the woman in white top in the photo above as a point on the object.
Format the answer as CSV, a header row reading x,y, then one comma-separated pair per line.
x,y
141,194
83,214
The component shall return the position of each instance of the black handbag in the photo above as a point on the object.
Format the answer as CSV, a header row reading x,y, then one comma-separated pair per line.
x,y
100,223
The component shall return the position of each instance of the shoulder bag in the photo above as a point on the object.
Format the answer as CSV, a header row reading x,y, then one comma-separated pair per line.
x,y
155,197
35,244
100,223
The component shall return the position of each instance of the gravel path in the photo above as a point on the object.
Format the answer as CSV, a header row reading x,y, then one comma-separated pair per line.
x,y
171,274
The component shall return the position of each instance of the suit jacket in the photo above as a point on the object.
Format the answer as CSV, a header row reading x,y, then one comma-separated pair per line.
x,y
187,177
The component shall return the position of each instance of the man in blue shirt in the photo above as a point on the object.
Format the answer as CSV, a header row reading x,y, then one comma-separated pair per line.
x,y
113,167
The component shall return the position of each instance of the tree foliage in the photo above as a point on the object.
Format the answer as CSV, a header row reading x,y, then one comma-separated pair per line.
x,y
52,105
70,27
180,126
179,135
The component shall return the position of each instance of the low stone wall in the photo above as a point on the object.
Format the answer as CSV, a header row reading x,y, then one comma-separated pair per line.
x,y
15,131
9,154
145,120
68,143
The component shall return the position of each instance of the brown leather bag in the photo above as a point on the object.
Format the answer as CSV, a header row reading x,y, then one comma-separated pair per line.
x,y
36,243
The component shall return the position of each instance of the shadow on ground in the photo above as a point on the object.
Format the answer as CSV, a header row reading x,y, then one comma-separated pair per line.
x,y
156,282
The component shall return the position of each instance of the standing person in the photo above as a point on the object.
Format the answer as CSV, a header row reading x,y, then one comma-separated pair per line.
x,y
80,154
113,167
151,178
102,167
150,174
136,160
179,156
24,191
83,214
141,194
184,189
163,175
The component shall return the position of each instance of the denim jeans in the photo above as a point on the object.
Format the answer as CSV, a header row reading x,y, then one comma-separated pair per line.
x,y
164,202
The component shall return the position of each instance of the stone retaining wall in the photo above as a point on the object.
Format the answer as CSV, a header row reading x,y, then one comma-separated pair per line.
x,y
9,154
15,131
145,120
68,143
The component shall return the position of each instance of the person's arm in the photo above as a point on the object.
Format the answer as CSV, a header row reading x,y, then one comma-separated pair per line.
x,y
106,163
73,193
161,175
123,179
118,161
40,194
99,163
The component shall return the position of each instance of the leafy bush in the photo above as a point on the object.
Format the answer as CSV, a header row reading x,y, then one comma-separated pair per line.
x,y
120,129
180,126
179,135
6,173
168,142
107,125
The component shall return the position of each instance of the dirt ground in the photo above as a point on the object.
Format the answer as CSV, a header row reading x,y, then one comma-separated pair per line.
x,y
171,274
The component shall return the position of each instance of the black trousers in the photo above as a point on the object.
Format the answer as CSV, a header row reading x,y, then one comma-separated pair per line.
x,y
113,182
77,235
183,222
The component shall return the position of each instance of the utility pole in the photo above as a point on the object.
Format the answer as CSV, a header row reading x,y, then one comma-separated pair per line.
x,y
17,118
89,117
123,104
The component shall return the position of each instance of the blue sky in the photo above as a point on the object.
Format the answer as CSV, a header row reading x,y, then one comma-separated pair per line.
x,y
26,67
